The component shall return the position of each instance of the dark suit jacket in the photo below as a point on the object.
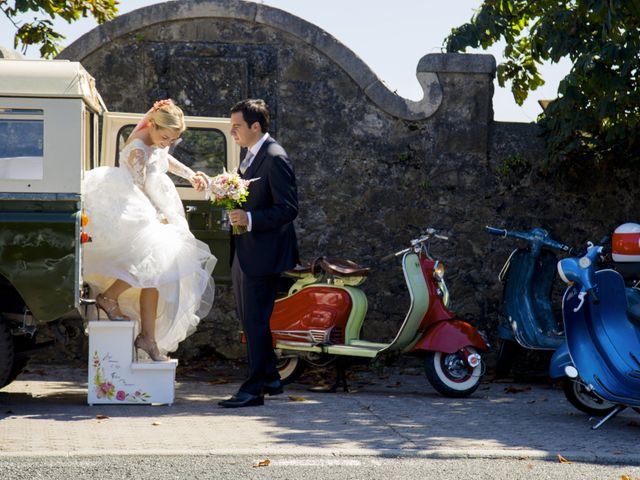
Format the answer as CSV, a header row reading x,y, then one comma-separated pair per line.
x,y
271,246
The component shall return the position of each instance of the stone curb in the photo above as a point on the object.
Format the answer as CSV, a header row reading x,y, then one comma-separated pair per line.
x,y
444,454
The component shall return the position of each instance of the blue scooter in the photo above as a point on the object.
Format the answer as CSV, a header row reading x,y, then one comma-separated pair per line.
x,y
528,276
602,327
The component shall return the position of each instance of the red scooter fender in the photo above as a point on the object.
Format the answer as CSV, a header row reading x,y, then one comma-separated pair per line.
x,y
449,336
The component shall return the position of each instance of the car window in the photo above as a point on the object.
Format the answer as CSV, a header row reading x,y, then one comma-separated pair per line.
x,y
22,146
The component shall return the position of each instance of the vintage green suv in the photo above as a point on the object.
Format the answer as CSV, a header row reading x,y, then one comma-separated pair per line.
x,y
51,121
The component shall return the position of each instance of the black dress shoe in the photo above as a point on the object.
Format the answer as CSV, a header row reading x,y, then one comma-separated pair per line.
x,y
242,399
273,388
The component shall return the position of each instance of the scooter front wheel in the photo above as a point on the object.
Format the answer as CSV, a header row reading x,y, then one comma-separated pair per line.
x,y
290,368
584,400
450,373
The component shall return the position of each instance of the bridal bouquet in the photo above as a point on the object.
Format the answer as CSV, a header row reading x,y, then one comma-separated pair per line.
x,y
230,191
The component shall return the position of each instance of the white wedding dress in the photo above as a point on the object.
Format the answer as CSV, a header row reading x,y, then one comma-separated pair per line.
x,y
140,235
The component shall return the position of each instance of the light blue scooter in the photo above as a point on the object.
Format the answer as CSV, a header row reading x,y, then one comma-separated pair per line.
x,y
602,328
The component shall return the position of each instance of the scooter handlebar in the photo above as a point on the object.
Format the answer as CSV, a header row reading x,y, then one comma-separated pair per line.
x,y
386,258
549,242
496,231
574,252
391,256
430,232
503,232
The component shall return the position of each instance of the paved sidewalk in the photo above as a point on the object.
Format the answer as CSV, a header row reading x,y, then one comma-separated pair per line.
x,y
45,413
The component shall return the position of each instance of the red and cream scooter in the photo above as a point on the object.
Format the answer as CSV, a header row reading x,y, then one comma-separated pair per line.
x,y
321,318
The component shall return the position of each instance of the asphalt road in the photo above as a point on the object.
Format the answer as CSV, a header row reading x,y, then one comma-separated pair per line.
x,y
301,468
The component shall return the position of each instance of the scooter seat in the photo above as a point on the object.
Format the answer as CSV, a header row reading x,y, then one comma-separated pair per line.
x,y
302,270
343,268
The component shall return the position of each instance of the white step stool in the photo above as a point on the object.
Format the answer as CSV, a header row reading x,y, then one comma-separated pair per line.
x,y
114,376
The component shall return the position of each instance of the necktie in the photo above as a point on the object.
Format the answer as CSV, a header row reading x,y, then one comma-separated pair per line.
x,y
246,162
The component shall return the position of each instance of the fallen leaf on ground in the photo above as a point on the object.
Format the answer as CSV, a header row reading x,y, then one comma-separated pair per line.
x,y
102,417
262,463
531,401
293,398
218,381
625,477
512,389
561,459
503,380
156,423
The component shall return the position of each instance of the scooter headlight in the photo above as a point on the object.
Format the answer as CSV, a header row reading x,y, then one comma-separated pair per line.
x,y
438,271
584,262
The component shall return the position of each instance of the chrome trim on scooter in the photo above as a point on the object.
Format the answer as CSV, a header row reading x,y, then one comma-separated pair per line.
x,y
286,343
505,267
314,336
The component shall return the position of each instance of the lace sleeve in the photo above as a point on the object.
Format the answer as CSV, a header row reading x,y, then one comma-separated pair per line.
x,y
179,169
136,163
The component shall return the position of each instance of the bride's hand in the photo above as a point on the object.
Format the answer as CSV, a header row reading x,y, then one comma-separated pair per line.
x,y
199,181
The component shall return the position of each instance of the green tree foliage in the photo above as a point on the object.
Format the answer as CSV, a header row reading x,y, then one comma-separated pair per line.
x,y
596,114
40,31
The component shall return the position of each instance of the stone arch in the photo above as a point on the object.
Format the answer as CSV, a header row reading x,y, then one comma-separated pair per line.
x,y
356,69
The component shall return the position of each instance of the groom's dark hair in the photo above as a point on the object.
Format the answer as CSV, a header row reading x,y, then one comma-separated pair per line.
x,y
253,110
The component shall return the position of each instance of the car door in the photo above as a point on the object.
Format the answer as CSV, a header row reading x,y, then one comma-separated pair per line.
x,y
205,146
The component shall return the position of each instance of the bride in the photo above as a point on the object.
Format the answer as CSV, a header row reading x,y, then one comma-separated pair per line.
x,y
142,257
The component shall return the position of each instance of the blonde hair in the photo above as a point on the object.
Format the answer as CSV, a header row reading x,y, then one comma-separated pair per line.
x,y
169,116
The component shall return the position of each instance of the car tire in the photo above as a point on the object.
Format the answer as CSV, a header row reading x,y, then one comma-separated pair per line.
x,y
7,354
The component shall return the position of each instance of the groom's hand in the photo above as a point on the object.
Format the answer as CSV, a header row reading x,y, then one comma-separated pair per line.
x,y
239,218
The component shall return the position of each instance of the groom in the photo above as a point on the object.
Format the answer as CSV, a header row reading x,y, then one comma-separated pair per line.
x,y
268,248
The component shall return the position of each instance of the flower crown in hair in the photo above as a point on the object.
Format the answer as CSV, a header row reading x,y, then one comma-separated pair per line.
x,y
144,122
162,103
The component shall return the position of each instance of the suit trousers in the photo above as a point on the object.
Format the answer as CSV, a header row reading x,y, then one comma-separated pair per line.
x,y
255,296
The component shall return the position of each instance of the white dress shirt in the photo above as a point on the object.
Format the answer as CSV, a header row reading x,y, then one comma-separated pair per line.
x,y
254,150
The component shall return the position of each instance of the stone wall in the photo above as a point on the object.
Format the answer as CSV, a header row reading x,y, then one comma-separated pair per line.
x,y
369,163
